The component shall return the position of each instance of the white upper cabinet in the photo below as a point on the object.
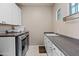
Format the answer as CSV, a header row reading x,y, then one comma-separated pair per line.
x,y
5,13
10,13
19,16
16,15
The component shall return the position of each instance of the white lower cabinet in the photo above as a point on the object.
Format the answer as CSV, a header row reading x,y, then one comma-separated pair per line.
x,y
7,46
51,49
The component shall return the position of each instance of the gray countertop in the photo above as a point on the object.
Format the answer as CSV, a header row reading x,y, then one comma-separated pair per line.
x,y
69,46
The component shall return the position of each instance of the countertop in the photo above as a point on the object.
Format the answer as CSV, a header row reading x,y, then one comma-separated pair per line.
x,y
69,46
12,34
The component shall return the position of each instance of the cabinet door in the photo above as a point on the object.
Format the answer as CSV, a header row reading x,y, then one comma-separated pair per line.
x,y
5,13
16,15
10,13
7,46
48,46
59,53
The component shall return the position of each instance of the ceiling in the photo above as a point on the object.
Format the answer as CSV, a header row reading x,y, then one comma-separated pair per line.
x,y
35,4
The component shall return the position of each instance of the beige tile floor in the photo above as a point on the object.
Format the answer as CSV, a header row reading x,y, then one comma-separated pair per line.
x,y
33,51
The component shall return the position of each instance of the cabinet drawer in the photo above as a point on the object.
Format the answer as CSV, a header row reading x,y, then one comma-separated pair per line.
x,y
59,53
48,46
51,49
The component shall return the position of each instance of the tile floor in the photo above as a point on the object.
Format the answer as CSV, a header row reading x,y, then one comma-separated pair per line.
x,y
34,51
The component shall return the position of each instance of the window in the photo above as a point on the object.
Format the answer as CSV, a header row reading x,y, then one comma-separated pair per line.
x,y
78,7
59,16
74,8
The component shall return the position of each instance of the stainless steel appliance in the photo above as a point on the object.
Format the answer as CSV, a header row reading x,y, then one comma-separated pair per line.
x,y
22,44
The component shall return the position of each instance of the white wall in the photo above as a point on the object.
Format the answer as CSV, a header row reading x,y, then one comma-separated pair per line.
x,y
37,19
69,28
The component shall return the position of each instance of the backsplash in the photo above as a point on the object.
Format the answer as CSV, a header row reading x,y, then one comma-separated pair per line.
x,y
4,27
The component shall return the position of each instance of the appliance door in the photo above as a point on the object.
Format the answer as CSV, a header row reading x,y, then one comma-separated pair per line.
x,y
24,45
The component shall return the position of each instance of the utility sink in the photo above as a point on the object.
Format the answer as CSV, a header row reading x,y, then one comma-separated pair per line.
x,y
52,35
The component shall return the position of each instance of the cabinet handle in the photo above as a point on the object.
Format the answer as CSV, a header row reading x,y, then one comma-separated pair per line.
x,y
53,48
48,41
50,47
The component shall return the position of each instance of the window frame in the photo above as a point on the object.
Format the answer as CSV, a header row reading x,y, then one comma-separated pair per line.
x,y
74,6
58,14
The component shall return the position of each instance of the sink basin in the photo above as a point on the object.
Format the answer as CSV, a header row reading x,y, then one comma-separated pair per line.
x,y
51,35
